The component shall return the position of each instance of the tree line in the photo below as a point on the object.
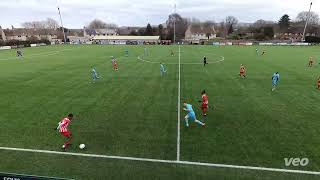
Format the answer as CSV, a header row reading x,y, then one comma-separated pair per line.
x,y
229,28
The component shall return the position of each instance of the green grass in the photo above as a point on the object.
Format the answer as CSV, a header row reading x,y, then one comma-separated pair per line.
x,y
133,112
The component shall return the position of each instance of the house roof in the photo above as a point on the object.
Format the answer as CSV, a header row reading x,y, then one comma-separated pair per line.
x,y
150,38
201,29
90,31
28,32
75,32
100,31
106,31
127,30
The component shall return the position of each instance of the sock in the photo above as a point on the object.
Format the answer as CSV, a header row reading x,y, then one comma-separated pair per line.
x,y
199,122
67,143
204,111
187,123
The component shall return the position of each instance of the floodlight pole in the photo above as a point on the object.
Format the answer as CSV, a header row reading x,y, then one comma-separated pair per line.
x,y
305,27
174,24
64,35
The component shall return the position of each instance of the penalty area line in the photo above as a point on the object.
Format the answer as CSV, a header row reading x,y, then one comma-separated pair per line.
x,y
162,161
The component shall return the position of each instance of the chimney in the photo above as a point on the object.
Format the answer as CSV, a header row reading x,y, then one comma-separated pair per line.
x,y
12,27
84,31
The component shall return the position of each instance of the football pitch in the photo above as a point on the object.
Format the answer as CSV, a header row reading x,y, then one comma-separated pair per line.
x,y
132,120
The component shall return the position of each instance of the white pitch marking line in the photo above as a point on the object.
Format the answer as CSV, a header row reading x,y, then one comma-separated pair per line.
x,y
31,176
178,128
222,59
163,161
50,53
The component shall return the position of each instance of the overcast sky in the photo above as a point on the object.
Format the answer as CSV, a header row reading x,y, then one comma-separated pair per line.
x,y
77,13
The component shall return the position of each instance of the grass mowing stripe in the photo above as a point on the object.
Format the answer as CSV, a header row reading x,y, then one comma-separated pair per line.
x,y
133,112
178,135
31,176
163,161
50,53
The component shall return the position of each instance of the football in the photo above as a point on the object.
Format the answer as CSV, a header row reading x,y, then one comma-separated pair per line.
x,y
82,146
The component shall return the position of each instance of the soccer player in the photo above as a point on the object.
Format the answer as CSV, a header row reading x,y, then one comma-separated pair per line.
x,y
275,80
145,51
63,129
204,61
162,69
311,61
242,71
205,103
318,81
191,115
264,51
126,52
115,64
19,53
95,75
257,51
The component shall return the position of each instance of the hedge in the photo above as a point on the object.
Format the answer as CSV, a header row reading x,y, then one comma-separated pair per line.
x,y
23,43
312,39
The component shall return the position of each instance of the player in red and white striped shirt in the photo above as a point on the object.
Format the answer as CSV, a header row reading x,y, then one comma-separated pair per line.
x,y
64,131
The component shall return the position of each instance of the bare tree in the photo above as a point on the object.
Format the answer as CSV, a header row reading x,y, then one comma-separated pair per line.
x,y
259,23
262,23
305,15
194,21
230,22
47,24
34,25
221,29
209,24
180,23
51,24
27,25
99,24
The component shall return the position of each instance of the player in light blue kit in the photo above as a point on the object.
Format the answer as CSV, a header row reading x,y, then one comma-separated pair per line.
x,y
162,69
145,51
257,51
275,80
191,115
94,73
